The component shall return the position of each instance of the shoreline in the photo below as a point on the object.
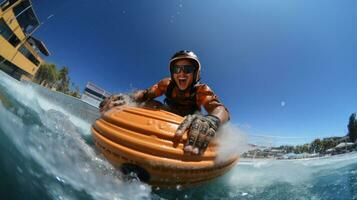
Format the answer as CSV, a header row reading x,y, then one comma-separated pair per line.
x,y
249,160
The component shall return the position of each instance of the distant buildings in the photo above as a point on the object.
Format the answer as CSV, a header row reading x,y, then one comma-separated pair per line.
x,y
19,50
343,147
94,95
264,152
288,153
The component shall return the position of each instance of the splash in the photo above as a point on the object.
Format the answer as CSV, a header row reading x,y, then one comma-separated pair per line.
x,y
54,153
231,141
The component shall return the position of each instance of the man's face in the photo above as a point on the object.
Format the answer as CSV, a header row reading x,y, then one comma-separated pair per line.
x,y
183,73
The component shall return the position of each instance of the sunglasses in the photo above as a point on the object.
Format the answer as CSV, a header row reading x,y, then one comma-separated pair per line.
x,y
187,69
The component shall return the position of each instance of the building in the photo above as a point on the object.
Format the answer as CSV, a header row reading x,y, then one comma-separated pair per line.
x,y
19,50
94,95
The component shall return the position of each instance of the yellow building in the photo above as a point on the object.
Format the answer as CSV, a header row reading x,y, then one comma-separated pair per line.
x,y
19,50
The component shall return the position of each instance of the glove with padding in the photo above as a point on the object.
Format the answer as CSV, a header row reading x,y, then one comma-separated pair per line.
x,y
112,101
201,130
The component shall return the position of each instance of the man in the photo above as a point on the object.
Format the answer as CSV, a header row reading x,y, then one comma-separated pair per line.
x,y
184,96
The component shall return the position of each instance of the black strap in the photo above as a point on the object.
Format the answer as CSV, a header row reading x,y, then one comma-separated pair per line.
x,y
184,107
170,89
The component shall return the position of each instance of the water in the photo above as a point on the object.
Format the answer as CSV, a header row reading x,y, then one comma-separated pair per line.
x,y
47,153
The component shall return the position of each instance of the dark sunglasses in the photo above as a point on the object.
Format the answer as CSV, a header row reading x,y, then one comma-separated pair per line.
x,y
187,69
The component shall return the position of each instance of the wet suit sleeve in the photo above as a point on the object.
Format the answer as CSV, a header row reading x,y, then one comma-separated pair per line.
x,y
207,99
154,91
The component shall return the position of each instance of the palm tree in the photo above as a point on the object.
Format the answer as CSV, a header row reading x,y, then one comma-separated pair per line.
x,y
63,80
46,75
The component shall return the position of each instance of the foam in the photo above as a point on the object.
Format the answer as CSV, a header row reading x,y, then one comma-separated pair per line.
x,y
56,145
231,140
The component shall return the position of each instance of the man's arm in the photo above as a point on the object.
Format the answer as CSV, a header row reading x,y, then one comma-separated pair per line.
x,y
138,96
211,103
203,128
221,112
151,93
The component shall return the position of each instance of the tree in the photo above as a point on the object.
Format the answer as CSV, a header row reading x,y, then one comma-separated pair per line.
x,y
328,143
63,80
46,75
305,148
352,127
316,145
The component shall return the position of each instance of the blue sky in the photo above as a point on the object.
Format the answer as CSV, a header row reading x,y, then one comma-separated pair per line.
x,y
283,68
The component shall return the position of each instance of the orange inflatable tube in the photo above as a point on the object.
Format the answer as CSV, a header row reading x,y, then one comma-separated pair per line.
x,y
141,140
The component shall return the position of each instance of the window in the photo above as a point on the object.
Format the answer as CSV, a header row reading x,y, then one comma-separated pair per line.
x,y
29,55
92,92
7,33
12,69
26,17
14,40
6,4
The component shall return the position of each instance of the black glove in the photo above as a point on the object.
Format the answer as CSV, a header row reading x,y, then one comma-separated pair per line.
x,y
202,130
112,101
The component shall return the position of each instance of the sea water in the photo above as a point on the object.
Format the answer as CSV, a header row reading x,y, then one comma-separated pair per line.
x,y
47,152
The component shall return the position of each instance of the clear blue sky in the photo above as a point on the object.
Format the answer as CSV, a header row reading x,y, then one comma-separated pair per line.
x,y
284,68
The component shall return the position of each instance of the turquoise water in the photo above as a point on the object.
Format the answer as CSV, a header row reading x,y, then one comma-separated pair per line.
x,y
47,153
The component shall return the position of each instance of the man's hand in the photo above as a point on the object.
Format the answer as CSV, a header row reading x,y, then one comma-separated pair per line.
x,y
201,130
112,101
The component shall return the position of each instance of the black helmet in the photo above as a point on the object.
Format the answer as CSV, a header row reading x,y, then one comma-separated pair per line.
x,y
185,54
